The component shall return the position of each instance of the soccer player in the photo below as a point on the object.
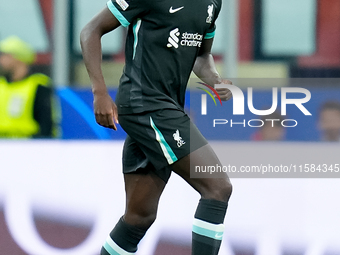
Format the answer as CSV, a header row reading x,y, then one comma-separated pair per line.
x,y
166,40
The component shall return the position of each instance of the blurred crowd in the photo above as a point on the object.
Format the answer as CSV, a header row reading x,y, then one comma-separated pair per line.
x,y
26,98
328,124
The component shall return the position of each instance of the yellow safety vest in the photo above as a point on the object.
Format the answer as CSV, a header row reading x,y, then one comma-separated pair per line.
x,y
17,106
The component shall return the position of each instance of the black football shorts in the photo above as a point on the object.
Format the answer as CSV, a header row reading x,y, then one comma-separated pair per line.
x,y
157,139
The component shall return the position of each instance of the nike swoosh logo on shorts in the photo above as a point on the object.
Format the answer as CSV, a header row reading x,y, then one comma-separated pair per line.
x,y
175,10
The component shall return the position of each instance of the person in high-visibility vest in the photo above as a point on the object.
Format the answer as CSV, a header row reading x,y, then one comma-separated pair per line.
x,y
25,98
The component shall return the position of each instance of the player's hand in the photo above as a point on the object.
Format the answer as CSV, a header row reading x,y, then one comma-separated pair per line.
x,y
224,93
105,111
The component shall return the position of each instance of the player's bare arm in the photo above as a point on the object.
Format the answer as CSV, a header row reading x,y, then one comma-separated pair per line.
x,y
205,69
90,39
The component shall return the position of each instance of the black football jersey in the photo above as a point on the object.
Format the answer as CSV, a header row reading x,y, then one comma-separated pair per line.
x,y
163,40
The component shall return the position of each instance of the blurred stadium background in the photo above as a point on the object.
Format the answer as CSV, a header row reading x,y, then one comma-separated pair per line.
x,y
55,198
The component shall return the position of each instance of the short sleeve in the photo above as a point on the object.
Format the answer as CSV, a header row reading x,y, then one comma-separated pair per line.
x,y
126,11
211,32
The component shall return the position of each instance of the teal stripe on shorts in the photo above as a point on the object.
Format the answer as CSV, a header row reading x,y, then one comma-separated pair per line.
x,y
167,151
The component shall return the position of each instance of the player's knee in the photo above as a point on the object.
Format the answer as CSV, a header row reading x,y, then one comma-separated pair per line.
x,y
227,190
143,220
149,219
220,192
223,193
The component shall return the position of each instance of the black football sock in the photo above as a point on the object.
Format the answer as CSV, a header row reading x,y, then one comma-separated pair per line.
x,y
123,239
207,231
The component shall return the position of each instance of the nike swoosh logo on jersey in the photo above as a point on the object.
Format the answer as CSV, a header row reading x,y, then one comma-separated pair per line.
x,y
175,10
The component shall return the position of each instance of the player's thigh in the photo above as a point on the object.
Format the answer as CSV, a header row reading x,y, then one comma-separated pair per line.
x,y
143,185
209,188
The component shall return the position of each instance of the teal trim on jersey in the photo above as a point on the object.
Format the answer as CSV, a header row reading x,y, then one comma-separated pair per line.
x,y
135,34
209,35
167,151
208,233
117,14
